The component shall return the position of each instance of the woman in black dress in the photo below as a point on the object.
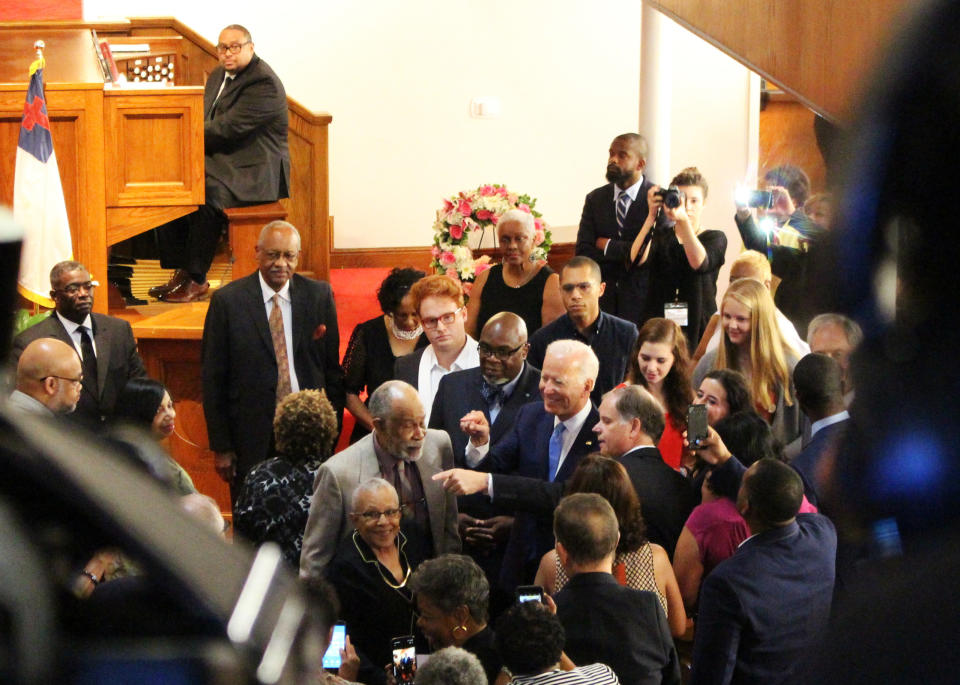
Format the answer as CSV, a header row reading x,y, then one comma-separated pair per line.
x,y
375,345
529,289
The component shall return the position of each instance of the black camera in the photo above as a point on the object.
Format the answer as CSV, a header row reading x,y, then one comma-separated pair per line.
x,y
672,197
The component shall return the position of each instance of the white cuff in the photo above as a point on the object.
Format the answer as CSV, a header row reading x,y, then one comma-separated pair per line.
x,y
474,455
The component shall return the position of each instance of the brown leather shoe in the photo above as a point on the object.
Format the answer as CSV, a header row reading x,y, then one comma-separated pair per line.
x,y
188,292
178,279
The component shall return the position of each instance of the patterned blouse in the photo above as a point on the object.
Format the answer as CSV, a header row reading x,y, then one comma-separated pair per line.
x,y
633,569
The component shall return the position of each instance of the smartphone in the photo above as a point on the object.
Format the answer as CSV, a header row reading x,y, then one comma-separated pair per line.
x,y
404,658
696,424
529,593
760,198
331,660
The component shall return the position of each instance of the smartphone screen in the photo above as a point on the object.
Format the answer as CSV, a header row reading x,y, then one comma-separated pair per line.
x,y
529,593
331,659
404,659
696,424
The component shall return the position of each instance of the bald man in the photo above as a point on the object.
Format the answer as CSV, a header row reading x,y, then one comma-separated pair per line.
x,y
49,378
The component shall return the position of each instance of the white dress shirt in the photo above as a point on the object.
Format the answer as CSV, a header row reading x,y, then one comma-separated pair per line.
x,y
286,313
631,193
73,330
430,372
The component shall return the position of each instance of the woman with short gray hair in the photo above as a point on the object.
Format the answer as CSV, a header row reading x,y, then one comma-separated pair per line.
x,y
452,596
452,666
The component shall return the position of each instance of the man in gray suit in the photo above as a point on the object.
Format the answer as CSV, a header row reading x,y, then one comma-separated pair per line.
x,y
402,451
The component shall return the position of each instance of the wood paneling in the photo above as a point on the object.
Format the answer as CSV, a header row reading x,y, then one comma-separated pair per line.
x,y
818,50
786,137
244,230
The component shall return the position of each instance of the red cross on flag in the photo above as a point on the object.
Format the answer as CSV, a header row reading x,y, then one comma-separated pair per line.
x,y
38,203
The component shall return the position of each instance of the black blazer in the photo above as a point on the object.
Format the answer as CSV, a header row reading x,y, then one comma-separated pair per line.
x,y
117,361
240,368
599,220
459,393
407,367
624,628
245,135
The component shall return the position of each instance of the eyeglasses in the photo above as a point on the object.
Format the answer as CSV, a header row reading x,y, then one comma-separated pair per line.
x,y
431,321
74,288
274,255
232,49
501,353
78,380
374,516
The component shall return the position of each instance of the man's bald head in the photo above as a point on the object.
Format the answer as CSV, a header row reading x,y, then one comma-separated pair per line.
x,y
50,371
503,348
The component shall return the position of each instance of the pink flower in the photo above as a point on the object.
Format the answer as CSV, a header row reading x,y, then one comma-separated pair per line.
x,y
456,231
452,273
480,267
448,258
467,287
494,218
523,208
538,224
487,190
447,205
501,191
464,208
484,214
538,237
435,252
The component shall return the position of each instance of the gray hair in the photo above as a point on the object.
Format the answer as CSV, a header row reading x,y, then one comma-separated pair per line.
x,y
453,580
518,216
60,268
589,364
370,486
381,401
452,666
278,225
850,327
636,402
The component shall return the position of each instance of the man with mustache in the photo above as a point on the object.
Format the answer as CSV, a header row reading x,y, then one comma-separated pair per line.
x,y
108,352
612,217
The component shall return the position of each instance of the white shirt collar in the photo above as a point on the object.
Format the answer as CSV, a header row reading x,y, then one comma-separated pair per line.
x,y
72,326
575,422
468,358
828,421
631,191
269,292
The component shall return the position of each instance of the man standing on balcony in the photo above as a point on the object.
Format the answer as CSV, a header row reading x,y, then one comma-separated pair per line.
x,y
246,157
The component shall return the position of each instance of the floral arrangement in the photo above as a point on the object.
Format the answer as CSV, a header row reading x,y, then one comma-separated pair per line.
x,y
478,209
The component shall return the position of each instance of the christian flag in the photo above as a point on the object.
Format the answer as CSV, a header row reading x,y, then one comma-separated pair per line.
x,y
38,203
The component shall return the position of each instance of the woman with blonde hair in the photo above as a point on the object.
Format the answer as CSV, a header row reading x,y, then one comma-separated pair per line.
x,y
660,363
753,345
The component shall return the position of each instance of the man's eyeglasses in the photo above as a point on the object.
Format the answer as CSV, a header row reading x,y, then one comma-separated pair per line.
x,y
431,322
501,353
232,49
374,516
77,380
74,288
274,255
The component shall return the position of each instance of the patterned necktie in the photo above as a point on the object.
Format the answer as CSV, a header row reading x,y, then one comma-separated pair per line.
x,y
404,489
493,394
556,447
89,362
280,349
623,204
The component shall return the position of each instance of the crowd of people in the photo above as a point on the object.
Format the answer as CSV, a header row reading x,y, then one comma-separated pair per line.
x,y
533,440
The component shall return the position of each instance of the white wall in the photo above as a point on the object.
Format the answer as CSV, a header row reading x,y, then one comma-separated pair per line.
x,y
398,79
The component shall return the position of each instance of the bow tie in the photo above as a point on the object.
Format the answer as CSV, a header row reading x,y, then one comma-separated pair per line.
x,y
493,394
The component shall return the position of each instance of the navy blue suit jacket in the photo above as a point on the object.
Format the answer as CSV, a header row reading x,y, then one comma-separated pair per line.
x,y
808,460
459,393
524,451
763,609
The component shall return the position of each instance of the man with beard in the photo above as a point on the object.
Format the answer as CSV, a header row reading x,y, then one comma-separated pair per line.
x,y
108,352
402,451
612,217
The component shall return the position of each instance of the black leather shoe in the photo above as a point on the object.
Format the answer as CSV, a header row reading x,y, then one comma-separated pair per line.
x,y
179,277
188,292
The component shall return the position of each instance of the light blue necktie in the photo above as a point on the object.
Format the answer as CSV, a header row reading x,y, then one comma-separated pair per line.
x,y
556,448
623,204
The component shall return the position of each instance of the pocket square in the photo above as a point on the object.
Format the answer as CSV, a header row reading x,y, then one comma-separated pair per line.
x,y
319,331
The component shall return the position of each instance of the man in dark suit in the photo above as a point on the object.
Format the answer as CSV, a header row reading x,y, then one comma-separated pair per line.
x,y
630,422
610,337
819,383
764,609
546,442
105,344
246,160
604,621
612,217
265,336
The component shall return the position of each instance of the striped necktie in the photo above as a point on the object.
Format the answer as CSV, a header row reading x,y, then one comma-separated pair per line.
x,y
623,204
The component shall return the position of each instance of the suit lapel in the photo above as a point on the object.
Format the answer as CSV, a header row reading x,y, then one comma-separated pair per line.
x,y
257,310
609,209
298,312
427,466
522,394
60,333
102,340
582,446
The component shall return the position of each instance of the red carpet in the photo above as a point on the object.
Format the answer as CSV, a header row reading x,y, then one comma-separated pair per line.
x,y
355,291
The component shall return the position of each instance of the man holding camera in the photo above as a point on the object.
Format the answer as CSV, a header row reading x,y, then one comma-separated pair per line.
x,y
612,217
